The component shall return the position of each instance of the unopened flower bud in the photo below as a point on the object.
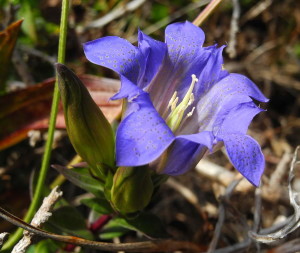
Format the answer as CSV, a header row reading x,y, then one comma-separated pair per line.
x,y
132,189
89,131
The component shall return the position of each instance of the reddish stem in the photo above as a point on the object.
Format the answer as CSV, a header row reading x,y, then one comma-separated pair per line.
x,y
100,223
94,227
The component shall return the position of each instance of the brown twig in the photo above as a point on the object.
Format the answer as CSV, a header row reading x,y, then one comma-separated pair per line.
x,y
294,220
22,68
41,216
234,28
167,20
115,13
187,194
221,175
222,215
206,12
256,10
3,238
147,246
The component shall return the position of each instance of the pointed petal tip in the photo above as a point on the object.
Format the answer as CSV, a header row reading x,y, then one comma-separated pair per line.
x,y
246,156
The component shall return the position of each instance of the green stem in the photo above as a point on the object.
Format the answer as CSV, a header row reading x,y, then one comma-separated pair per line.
x,y
48,146
206,12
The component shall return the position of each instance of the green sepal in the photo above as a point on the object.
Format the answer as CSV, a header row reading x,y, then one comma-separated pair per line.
x,y
108,185
132,189
89,131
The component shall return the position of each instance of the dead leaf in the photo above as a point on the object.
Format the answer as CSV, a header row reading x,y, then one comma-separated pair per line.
x,y
29,108
8,39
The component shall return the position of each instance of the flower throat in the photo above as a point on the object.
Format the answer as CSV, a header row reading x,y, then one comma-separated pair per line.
x,y
177,111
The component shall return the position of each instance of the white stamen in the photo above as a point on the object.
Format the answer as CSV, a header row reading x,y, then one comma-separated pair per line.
x,y
174,96
174,104
191,112
177,111
192,99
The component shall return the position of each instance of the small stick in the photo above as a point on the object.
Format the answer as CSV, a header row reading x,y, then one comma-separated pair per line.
x,y
222,215
3,238
116,13
146,246
206,12
231,49
41,216
187,194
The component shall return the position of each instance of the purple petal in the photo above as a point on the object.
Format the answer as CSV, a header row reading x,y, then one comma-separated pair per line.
x,y
186,152
184,41
117,54
214,105
155,52
236,84
186,56
128,90
212,72
246,156
143,135
205,138
211,111
239,118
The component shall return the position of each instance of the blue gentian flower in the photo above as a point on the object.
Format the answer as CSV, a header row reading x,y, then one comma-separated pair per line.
x,y
182,103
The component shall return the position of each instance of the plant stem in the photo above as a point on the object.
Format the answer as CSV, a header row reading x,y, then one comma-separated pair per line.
x,y
48,146
206,12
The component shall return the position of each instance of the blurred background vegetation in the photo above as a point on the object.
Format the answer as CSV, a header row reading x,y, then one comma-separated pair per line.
x,y
266,48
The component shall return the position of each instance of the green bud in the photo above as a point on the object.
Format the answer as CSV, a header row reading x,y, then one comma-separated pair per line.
x,y
89,131
132,189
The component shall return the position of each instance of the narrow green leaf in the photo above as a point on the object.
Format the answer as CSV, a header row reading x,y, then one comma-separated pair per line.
x,y
148,224
82,178
99,205
111,231
69,220
45,246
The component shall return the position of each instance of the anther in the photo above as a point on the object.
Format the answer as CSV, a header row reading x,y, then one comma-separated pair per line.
x,y
191,112
173,98
177,111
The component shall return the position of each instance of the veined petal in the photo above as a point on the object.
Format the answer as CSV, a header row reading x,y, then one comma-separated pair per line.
x,y
155,51
246,156
117,54
186,56
186,151
212,72
128,90
239,118
214,105
205,138
184,41
143,135
236,84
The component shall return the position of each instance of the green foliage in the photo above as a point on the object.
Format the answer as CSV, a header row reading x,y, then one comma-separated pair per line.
x,y
297,50
69,220
113,230
82,178
99,205
159,12
45,246
147,224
